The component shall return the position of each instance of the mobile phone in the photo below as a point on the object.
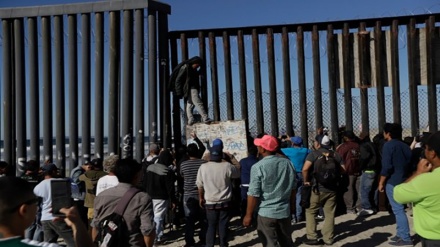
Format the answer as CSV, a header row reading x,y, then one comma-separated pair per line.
x,y
61,196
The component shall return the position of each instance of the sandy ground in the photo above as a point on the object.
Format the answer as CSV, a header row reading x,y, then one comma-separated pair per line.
x,y
350,230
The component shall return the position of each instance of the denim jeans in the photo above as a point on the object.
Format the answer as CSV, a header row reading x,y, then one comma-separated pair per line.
x,y
193,212
220,218
160,208
54,229
196,102
367,180
299,185
399,212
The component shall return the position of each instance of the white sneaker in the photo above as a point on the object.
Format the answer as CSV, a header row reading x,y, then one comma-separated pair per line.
x,y
365,212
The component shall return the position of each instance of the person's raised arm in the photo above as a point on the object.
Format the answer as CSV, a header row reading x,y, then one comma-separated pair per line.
x,y
80,234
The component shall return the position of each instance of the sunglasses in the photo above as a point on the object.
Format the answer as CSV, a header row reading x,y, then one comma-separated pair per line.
x,y
35,201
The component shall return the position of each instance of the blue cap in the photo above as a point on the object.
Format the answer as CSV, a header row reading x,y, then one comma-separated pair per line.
x,y
297,140
217,142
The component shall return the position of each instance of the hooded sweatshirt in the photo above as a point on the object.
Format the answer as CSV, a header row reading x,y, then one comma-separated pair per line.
x,y
91,178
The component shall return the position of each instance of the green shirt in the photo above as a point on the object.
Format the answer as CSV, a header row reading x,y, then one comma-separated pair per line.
x,y
272,181
19,242
424,192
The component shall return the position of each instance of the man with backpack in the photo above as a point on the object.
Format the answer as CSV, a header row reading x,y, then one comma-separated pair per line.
x,y
322,170
368,161
136,228
349,150
184,82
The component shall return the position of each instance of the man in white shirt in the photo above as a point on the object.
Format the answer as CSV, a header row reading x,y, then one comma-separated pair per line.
x,y
110,180
18,208
52,229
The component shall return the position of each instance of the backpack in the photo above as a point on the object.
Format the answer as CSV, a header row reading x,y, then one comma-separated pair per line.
x,y
77,187
352,161
113,230
368,159
326,169
145,164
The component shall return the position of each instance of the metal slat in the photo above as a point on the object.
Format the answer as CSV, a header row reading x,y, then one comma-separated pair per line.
x,y
127,87
139,81
152,73
99,85
114,75
59,89
47,88
86,87
73,90
34,102
302,85
20,95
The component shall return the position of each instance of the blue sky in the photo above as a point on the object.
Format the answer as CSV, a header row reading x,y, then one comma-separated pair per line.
x,y
195,14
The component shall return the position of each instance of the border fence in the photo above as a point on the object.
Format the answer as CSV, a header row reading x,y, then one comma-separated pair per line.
x,y
87,72
356,61
35,57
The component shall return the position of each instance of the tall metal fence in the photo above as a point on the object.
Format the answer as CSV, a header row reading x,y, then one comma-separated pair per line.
x,y
302,76
104,56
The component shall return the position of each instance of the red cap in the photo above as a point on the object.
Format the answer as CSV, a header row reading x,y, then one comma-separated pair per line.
x,y
267,142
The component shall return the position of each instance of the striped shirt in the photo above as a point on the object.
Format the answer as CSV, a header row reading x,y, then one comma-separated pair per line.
x,y
188,170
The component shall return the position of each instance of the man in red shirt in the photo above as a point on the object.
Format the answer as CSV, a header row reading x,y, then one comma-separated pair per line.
x,y
349,150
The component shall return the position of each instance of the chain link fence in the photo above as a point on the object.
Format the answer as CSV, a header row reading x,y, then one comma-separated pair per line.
x,y
356,103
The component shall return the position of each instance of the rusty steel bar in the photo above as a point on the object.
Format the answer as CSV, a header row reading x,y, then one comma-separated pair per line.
x,y
47,88
431,64
332,80
243,82
152,76
412,83
184,54
378,48
228,77
347,77
34,102
59,85
395,79
257,81
139,82
203,78
127,87
287,82
317,89
177,131
7,94
214,76
99,85
302,85
163,80
73,90
364,71
272,82
20,95
184,46
114,75
86,87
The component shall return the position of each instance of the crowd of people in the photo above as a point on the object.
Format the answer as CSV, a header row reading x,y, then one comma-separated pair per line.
x,y
200,186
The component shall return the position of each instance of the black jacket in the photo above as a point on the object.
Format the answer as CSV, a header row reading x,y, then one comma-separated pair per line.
x,y
159,182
